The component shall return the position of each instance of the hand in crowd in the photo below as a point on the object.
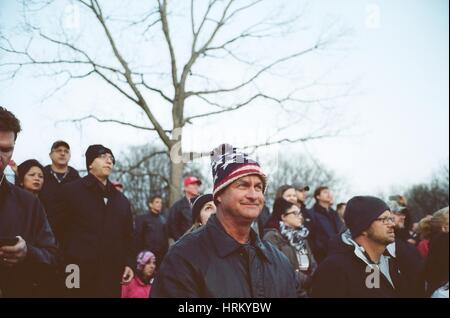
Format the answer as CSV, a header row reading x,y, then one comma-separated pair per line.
x,y
11,255
127,275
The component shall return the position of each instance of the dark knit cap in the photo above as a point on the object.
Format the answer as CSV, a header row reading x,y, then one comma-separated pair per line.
x,y
198,204
24,167
361,211
94,151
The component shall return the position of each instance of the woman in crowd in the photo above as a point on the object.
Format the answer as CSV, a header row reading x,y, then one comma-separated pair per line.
x,y
286,231
30,176
288,193
202,208
424,231
140,286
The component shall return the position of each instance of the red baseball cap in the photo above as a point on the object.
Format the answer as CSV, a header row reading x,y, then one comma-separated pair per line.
x,y
190,180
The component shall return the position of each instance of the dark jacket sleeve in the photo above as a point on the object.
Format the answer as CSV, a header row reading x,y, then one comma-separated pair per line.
x,y
129,238
42,249
176,278
62,214
139,233
329,281
172,222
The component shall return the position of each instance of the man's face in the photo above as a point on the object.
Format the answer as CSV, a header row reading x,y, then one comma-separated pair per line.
x,y
102,166
301,195
399,220
244,198
60,156
325,196
381,230
7,143
192,189
156,205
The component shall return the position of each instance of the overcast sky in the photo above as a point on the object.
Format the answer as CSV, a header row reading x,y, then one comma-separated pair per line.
x,y
399,133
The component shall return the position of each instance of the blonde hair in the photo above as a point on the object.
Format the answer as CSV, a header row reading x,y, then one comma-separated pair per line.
x,y
438,220
424,228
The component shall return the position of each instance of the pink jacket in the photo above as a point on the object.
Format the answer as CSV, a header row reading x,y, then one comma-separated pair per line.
x,y
136,289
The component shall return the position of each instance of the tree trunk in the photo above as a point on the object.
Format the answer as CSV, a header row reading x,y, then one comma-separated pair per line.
x,y
176,175
176,166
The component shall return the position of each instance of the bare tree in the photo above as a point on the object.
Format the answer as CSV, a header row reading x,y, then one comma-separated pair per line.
x,y
217,30
144,173
297,170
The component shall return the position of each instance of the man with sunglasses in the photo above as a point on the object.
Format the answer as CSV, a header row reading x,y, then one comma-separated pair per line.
x,y
95,227
367,261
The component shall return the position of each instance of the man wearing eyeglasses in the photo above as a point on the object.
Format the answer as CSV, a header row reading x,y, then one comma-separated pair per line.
x,y
56,175
367,261
95,226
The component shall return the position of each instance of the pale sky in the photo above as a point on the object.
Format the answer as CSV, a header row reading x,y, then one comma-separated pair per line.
x,y
399,117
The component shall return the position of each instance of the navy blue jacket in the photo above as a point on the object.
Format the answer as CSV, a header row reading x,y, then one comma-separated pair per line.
x,y
22,214
326,225
208,263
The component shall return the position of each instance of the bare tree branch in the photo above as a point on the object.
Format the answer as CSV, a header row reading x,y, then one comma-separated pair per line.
x,y
165,27
109,121
257,74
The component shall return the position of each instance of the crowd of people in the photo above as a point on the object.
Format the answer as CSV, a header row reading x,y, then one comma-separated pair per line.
x,y
226,243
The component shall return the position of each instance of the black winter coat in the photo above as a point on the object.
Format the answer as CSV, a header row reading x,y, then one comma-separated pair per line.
x,y
275,237
151,235
51,188
209,263
325,226
180,218
22,214
96,236
342,274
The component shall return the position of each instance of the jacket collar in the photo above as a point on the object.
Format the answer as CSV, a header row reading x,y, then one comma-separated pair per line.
x,y
226,245
4,185
93,183
359,250
321,209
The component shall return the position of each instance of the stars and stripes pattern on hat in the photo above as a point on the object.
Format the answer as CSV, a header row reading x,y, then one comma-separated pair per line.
x,y
228,165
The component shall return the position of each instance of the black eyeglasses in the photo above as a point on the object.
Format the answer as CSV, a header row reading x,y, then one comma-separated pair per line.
x,y
386,219
295,213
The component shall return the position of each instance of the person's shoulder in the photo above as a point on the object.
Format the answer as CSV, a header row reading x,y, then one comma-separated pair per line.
x,y
191,245
73,173
271,234
274,253
47,169
407,250
75,183
21,194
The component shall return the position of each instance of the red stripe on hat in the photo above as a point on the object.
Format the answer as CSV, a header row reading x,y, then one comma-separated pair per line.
x,y
233,174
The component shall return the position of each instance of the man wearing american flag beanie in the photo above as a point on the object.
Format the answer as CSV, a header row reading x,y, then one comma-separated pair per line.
x,y
226,258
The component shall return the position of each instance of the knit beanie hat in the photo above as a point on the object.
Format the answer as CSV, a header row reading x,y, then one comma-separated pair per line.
x,y
361,211
143,258
228,165
95,151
